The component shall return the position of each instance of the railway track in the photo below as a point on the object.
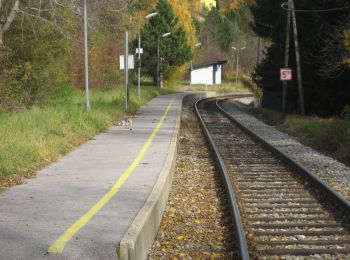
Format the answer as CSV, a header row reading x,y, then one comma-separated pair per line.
x,y
189,228
280,210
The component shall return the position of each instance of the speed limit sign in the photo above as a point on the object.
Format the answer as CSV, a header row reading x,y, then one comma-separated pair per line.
x,y
285,74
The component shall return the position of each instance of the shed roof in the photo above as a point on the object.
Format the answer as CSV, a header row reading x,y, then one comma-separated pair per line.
x,y
204,65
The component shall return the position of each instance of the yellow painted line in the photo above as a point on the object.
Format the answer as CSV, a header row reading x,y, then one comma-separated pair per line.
x,y
58,246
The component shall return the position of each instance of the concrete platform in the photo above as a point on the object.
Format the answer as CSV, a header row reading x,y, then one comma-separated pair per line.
x,y
81,206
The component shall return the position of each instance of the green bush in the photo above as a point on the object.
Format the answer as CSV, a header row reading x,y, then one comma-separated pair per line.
x,y
114,77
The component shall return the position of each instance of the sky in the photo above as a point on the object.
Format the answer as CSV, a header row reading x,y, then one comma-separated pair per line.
x,y
208,2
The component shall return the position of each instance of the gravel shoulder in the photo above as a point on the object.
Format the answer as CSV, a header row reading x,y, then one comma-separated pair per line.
x,y
332,172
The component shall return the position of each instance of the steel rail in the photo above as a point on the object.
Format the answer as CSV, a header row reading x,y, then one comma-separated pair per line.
x,y
290,161
235,212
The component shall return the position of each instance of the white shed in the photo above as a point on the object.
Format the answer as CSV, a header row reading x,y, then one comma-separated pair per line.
x,y
208,74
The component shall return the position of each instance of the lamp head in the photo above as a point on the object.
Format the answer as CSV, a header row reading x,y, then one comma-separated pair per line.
x,y
149,16
166,34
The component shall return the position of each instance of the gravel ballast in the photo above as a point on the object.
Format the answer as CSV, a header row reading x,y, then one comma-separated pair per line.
x,y
196,223
332,172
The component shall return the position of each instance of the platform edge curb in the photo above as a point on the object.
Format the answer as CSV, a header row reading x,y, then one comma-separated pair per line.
x,y
140,236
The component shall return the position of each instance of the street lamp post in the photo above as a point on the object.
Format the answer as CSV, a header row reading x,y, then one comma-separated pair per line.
x,y
196,45
237,66
86,57
158,57
147,17
126,70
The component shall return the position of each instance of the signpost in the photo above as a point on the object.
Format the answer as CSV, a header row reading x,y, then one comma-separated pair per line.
x,y
131,64
286,74
139,52
286,60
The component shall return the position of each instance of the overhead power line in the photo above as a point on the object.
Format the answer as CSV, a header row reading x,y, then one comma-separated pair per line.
x,y
285,7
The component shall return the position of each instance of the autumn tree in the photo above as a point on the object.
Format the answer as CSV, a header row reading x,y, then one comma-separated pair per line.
x,y
42,45
174,50
185,10
7,14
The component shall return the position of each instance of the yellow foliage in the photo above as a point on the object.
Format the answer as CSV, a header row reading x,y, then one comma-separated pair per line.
x,y
139,16
347,62
208,3
102,58
185,9
175,74
226,5
229,4
181,237
347,39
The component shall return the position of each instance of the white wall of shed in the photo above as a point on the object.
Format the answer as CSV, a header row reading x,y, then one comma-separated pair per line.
x,y
202,76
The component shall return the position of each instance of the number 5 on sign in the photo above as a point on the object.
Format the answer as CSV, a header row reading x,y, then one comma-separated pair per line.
x,y
285,74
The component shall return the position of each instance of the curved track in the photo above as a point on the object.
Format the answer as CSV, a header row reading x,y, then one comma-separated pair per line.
x,y
280,210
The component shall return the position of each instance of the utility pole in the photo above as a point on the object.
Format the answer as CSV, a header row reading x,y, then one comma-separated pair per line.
x,y
286,59
86,52
300,84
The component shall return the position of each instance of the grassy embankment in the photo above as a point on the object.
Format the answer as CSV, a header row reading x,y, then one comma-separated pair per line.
x,y
33,138
225,87
328,135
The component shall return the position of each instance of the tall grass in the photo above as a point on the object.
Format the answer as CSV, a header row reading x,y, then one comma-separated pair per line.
x,y
225,87
323,132
330,135
35,137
